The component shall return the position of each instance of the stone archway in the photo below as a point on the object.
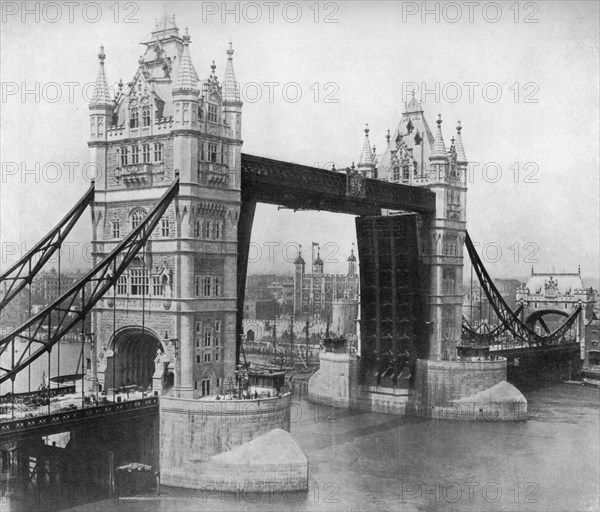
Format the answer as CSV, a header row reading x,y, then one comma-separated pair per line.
x,y
135,351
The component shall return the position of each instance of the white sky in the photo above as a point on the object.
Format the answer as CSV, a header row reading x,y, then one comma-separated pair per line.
x,y
368,54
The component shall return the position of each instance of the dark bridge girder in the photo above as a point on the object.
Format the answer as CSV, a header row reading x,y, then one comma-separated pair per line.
x,y
302,187
299,186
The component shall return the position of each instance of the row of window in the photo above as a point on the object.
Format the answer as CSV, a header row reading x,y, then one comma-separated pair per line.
x,y
208,286
134,116
204,229
136,218
208,229
208,334
131,154
208,328
405,172
212,113
212,152
137,282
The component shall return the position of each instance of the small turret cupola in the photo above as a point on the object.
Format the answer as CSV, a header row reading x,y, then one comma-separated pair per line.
x,y
352,263
299,259
318,263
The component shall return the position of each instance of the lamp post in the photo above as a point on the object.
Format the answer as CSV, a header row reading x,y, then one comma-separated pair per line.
x,y
94,365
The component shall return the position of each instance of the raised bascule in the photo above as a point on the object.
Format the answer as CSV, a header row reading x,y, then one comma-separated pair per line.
x,y
172,210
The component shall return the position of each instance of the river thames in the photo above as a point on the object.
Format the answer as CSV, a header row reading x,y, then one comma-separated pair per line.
x,y
376,462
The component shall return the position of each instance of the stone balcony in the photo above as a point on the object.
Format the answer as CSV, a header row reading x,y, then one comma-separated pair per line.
x,y
213,174
139,175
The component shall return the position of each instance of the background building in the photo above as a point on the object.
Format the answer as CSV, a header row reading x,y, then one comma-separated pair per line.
x,y
315,293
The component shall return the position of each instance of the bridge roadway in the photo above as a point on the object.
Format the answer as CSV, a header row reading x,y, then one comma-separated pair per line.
x,y
48,424
525,351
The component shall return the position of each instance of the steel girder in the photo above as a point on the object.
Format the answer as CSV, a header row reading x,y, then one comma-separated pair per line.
x,y
22,273
46,328
507,317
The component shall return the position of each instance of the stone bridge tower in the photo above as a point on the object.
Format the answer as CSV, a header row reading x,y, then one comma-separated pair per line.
x,y
415,156
171,319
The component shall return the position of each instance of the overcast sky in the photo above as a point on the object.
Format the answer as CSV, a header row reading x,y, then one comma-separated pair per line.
x,y
351,61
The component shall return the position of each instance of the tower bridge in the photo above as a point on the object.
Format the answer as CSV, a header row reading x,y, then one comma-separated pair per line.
x,y
172,214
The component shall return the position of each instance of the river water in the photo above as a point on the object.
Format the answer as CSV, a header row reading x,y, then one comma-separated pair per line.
x,y
362,461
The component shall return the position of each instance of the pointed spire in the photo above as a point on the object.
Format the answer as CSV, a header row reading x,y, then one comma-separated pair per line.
x,y
101,95
439,147
460,150
186,81
231,89
366,158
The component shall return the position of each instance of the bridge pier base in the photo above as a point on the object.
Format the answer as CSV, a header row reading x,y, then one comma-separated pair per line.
x,y
459,390
193,432
467,390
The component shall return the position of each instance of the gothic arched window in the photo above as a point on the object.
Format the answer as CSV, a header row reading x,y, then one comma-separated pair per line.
x,y
405,172
136,217
146,115
134,120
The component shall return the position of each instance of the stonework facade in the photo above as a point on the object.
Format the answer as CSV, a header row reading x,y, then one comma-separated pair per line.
x,y
167,124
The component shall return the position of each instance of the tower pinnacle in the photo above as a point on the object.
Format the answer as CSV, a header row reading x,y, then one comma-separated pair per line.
x,y
186,81
367,161
439,147
460,150
101,95
231,89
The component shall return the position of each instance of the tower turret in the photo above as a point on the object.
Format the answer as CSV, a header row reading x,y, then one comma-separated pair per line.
x,y
186,90
318,263
185,111
101,110
101,105
439,156
352,263
232,110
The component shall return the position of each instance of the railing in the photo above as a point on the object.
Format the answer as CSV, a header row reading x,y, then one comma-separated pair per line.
x,y
43,393
76,415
